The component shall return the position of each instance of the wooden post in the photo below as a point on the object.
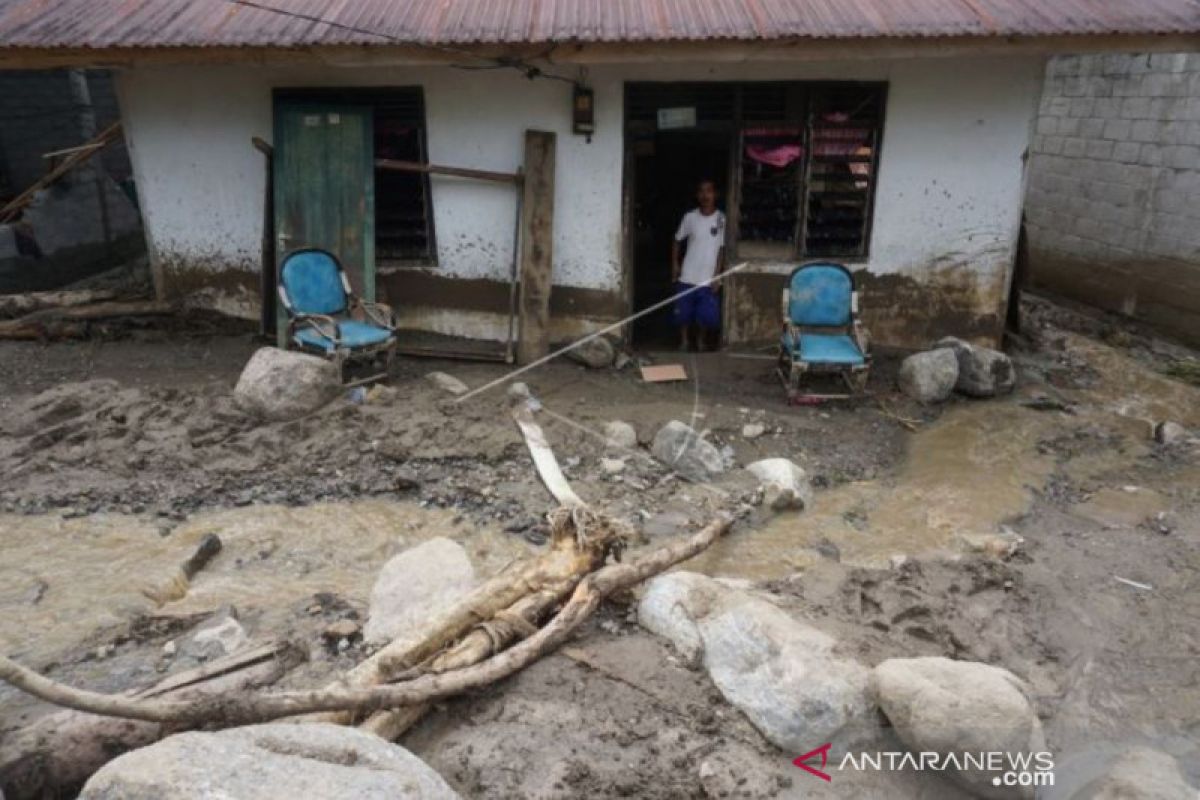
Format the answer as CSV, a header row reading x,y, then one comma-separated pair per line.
x,y
537,250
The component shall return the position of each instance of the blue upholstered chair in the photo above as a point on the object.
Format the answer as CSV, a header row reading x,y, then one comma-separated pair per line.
x,y
821,330
324,316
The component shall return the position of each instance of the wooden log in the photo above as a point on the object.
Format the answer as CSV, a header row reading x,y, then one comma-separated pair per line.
x,y
16,305
59,323
537,250
13,206
457,172
55,755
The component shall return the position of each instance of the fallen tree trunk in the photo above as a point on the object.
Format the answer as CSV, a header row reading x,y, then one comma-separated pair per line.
x,y
66,323
15,305
54,756
241,707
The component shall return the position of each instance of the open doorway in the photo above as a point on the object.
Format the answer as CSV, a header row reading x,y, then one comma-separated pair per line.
x,y
667,165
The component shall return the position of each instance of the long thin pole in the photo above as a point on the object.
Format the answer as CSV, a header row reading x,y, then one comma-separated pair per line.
x,y
601,332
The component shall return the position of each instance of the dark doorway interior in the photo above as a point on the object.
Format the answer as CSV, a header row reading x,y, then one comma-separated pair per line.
x,y
667,165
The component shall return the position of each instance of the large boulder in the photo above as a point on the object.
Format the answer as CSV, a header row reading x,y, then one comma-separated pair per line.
x,y
782,674
280,384
1139,774
785,484
943,706
682,449
415,586
929,377
982,372
279,761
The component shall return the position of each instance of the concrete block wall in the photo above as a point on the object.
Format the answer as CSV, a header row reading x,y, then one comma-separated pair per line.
x,y
1113,199
37,115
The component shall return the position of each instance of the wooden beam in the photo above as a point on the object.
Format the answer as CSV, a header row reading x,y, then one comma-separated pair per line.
x,y
457,172
537,248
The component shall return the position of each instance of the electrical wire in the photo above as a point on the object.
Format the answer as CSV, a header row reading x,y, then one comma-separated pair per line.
x,y
530,71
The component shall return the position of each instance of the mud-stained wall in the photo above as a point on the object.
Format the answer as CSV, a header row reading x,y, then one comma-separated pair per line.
x,y
1113,209
946,214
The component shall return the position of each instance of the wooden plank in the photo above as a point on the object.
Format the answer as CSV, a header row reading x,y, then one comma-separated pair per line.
x,y
66,165
537,251
663,373
439,169
268,279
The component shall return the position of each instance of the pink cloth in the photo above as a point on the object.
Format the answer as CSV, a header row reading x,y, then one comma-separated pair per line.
x,y
775,155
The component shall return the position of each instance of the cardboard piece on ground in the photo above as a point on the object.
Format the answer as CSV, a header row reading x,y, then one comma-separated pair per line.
x,y
660,373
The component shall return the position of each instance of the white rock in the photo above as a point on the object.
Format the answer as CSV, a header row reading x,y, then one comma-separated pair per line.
x,y
620,435
785,484
929,377
753,430
595,353
943,706
446,382
782,674
682,449
280,385
1169,432
612,466
1140,774
279,761
216,637
982,372
415,586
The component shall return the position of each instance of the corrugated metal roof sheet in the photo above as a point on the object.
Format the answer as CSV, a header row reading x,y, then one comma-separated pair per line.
x,y
286,23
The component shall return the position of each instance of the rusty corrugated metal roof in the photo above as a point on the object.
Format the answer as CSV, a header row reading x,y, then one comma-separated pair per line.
x,y
289,23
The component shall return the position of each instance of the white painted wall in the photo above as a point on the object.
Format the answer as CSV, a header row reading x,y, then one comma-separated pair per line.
x,y
949,190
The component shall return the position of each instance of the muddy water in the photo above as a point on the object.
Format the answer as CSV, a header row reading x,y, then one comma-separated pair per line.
x,y
62,579
967,473
972,470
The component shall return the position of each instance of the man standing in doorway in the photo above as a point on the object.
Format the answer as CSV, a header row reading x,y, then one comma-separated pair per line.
x,y
703,229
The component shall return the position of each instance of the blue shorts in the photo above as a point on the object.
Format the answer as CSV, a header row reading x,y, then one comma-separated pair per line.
x,y
700,307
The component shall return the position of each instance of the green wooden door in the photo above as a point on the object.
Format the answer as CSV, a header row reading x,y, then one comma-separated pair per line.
x,y
325,187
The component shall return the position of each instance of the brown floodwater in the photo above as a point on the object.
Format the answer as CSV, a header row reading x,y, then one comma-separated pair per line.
x,y
92,572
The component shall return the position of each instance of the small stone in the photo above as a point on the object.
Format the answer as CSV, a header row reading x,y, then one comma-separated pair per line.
x,y
753,430
447,383
997,545
105,650
519,391
169,648
612,466
682,449
620,435
342,629
595,353
1169,433
785,484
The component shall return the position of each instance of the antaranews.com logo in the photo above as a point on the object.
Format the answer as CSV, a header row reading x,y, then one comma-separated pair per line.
x,y
1011,769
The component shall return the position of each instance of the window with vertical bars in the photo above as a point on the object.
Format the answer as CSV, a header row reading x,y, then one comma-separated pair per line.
x,y
403,201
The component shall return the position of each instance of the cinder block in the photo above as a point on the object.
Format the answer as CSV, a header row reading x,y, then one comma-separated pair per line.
x,y
1168,62
1145,130
1055,106
1117,129
1068,126
1151,155
1108,107
1059,66
1099,149
1169,200
1091,128
1191,133
1047,125
1172,132
1074,147
1135,107
1128,86
1182,156
1082,106
1075,86
1126,152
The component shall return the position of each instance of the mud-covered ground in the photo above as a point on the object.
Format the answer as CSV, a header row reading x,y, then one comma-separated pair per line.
x,y
119,455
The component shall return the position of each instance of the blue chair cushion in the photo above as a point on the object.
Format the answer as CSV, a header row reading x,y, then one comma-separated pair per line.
x,y
313,282
824,348
354,335
819,296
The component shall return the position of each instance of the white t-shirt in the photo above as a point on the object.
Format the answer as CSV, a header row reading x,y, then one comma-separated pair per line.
x,y
705,236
